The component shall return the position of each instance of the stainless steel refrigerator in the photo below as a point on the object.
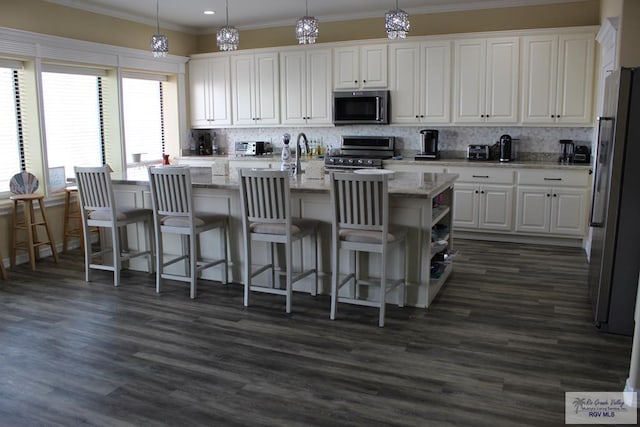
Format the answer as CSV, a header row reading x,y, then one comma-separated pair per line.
x,y
615,206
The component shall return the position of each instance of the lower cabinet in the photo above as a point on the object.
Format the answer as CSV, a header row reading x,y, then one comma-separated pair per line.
x,y
487,207
555,210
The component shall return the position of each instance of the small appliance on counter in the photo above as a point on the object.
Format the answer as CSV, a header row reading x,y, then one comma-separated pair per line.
x,y
566,156
507,152
429,145
477,152
253,148
581,154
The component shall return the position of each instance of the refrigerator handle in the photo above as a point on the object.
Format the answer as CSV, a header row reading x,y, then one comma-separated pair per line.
x,y
597,172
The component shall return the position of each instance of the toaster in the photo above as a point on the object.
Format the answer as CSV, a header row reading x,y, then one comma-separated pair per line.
x,y
477,152
258,148
581,154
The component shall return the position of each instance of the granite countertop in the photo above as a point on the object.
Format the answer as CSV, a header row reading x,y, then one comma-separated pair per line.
x,y
520,164
407,184
489,163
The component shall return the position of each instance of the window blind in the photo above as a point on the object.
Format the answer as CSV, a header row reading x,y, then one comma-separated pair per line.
x,y
143,118
72,118
10,162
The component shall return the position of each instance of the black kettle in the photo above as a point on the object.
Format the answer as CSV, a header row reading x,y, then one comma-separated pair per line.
x,y
505,145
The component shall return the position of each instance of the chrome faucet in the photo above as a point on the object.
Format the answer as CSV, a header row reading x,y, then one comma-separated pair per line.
x,y
297,168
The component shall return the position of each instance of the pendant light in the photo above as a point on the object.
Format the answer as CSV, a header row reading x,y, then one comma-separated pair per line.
x,y
307,27
228,37
159,42
396,23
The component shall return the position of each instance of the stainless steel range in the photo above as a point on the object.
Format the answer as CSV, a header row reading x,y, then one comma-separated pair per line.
x,y
362,152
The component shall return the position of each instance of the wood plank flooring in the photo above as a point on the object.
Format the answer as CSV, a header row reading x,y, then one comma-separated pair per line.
x,y
509,334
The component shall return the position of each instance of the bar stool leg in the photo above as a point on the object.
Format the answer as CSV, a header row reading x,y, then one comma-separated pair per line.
x,y
3,271
65,225
30,229
14,235
54,251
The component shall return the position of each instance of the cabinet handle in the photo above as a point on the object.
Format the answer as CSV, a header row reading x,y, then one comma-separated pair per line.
x,y
548,195
553,179
482,116
417,116
552,116
355,81
555,195
482,192
364,81
487,116
480,176
476,191
422,116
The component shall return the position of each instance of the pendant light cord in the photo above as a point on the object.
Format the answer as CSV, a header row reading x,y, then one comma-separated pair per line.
x,y
158,15
227,13
306,7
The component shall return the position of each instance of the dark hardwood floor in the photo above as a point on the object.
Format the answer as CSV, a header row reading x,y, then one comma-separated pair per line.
x,y
509,334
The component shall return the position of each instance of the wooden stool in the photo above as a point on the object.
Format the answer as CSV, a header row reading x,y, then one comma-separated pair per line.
x,y
72,226
30,226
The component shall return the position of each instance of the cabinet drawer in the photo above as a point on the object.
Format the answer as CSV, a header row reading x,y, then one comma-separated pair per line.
x,y
484,175
547,177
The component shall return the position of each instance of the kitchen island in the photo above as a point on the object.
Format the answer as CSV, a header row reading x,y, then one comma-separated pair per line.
x,y
417,200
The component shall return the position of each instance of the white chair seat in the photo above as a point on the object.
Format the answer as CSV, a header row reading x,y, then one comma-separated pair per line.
x,y
121,215
374,237
298,225
199,220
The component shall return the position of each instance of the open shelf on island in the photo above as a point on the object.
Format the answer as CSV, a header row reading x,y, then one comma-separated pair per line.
x,y
438,213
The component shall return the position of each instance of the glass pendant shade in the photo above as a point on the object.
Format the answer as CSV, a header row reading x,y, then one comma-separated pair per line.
x,y
307,28
396,23
228,37
159,42
159,45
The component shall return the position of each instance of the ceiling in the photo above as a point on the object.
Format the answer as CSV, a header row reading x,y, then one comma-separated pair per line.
x,y
187,15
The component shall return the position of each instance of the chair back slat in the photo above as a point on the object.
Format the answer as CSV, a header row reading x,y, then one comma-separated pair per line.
x,y
360,201
265,195
94,188
171,191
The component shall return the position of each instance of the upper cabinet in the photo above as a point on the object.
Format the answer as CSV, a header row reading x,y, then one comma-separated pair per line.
x,y
255,82
486,80
420,82
210,92
360,67
557,78
305,87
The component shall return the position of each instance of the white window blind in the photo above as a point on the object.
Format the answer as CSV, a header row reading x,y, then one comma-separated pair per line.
x,y
143,119
9,142
72,116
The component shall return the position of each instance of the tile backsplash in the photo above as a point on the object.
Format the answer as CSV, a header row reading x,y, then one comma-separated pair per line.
x,y
533,141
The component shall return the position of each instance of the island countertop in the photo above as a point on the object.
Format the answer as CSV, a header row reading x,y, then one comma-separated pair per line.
x,y
408,184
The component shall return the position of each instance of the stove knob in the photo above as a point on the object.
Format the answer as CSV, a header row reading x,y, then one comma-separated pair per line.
x,y
350,162
360,162
370,162
331,161
341,161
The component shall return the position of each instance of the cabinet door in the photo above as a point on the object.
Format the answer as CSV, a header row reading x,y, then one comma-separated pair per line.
x,y
319,87
533,209
568,211
373,66
575,78
346,67
267,89
210,92
293,93
503,61
243,79
539,78
496,208
405,82
470,75
435,100
465,206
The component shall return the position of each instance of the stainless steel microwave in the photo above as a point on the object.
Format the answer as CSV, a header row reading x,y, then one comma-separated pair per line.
x,y
361,107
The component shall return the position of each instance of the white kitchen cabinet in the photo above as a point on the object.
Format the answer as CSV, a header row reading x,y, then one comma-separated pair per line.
x,y
360,67
210,95
421,82
483,198
305,85
557,78
552,202
486,80
255,83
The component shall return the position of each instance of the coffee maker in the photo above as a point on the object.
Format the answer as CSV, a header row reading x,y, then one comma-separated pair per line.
x,y
506,148
429,145
567,151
